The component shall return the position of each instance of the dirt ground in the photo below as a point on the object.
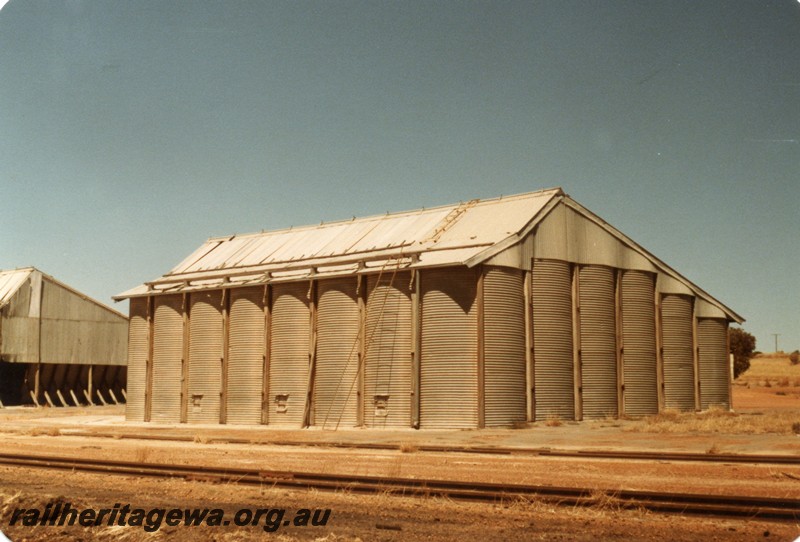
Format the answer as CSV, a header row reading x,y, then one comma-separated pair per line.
x,y
101,432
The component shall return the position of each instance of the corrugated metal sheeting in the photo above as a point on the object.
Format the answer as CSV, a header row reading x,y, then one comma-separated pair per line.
x,y
387,367
336,390
598,350
167,392
289,354
205,357
138,351
421,319
448,366
246,352
504,346
676,319
712,345
553,357
45,321
639,340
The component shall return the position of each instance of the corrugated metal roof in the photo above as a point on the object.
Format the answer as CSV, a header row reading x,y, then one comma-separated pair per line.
x,y
10,281
463,234
444,235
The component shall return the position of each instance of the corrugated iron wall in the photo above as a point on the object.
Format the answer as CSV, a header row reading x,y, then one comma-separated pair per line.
x,y
75,330
246,350
504,346
387,367
289,354
448,363
712,344
167,359
19,342
336,389
639,339
598,341
205,357
138,350
553,360
677,337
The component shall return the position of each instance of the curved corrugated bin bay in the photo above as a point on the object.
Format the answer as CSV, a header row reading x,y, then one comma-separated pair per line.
x,y
448,362
504,346
553,359
205,357
712,342
336,373
167,356
137,360
598,341
289,354
387,368
639,360
246,349
676,325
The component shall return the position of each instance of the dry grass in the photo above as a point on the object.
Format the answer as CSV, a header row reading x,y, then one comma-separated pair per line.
x,y
553,421
408,448
773,368
46,431
717,421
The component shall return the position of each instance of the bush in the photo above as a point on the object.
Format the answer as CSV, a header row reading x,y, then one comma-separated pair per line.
x,y
743,345
794,357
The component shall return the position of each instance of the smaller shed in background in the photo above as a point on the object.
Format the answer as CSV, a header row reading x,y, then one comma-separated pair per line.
x,y
57,345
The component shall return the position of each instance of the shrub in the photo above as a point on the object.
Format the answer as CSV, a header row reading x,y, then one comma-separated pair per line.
x,y
794,357
743,345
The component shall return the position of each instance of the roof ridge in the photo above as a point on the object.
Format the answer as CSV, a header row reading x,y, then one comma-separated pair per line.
x,y
477,201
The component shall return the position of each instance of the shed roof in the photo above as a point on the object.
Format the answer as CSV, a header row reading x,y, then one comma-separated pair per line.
x,y
438,236
467,233
12,279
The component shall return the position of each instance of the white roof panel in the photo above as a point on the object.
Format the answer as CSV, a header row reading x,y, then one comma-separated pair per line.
x,y
10,281
471,226
492,221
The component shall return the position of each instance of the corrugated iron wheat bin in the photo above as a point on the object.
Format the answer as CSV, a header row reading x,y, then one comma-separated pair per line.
x,y
481,314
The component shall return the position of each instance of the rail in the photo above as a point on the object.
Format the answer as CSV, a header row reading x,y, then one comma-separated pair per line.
x,y
681,503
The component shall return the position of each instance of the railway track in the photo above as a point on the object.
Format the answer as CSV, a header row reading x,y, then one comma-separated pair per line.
x,y
680,503
490,450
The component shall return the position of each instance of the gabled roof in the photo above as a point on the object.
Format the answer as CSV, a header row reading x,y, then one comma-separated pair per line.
x,y
464,234
438,236
11,280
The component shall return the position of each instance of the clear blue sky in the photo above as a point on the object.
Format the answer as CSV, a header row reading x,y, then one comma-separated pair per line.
x,y
132,131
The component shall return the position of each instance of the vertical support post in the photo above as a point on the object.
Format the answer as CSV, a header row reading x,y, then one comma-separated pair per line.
x,y
659,351
37,377
362,347
185,310
223,362
90,383
481,349
730,364
416,347
267,344
620,338
696,357
576,343
148,387
530,374
308,418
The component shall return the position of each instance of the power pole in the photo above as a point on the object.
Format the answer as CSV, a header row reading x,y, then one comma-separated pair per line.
x,y
776,335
